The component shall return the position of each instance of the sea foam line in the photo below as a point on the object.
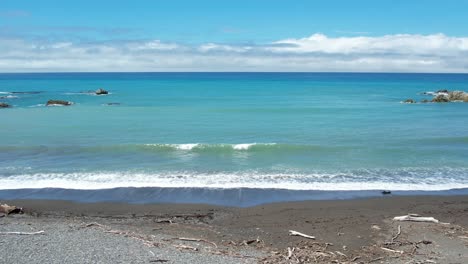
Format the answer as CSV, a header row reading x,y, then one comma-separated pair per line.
x,y
290,181
192,146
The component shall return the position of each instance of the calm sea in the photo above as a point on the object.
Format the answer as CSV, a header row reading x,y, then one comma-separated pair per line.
x,y
293,131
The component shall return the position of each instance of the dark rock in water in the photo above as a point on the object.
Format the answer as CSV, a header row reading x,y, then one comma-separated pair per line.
x,y
4,105
386,192
58,102
443,91
441,98
101,92
409,101
425,101
113,103
32,92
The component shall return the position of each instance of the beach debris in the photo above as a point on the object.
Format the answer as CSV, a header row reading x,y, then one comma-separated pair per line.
x,y
197,240
376,227
159,261
397,234
101,91
7,209
248,242
295,233
386,192
23,233
186,247
416,218
290,252
409,101
392,251
58,103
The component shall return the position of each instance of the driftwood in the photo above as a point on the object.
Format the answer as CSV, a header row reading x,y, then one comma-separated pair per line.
x,y
415,218
295,233
197,240
23,233
391,250
186,247
7,209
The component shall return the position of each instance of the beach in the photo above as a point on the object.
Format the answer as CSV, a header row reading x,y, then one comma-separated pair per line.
x,y
346,231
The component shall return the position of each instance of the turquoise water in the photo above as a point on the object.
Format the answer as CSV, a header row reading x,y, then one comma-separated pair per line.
x,y
298,131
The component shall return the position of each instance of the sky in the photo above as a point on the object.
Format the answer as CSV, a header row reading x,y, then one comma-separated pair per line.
x,y
241,35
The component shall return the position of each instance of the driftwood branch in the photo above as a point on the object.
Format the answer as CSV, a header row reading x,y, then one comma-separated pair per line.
x,y
415,218
391,250
295,233
23,233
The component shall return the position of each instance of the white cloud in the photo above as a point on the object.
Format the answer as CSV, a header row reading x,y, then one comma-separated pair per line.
x,y
391,53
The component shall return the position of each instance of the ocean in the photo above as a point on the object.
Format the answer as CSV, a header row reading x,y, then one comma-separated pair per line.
x,y
230,138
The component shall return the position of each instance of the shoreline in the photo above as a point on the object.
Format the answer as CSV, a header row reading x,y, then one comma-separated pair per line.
x,y
357,227
233,197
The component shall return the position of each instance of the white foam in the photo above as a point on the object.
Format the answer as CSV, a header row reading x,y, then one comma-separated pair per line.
x,y
10,97
5,93
243,146
325,182
185,146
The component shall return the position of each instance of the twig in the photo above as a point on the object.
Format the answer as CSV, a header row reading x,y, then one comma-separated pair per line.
x,y
355,258
376,259
396,236
197,240
391,250
186,247
295,233
23,233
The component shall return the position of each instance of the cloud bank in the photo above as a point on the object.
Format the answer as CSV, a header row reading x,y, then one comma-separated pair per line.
x,y
390,53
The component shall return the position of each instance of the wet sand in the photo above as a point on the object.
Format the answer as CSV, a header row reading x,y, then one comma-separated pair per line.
x,y
350,231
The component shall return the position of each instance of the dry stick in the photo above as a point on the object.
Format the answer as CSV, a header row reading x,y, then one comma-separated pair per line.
x,y
295,233
355,258
396,236
186,247
197,240
416,218
391,250
376,259
23,233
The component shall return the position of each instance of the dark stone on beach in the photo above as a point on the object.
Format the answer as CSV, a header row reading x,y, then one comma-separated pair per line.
x,y
441,98
425,101
4,105
101,92
58,102
386,192
443,91
409,101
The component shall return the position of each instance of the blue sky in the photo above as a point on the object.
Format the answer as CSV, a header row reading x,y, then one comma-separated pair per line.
x,y
247,24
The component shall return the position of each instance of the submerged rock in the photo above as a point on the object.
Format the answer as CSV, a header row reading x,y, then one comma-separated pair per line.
x,y
443,91
4,105
425,101
101,92
58,102
113,104
441,98
409,101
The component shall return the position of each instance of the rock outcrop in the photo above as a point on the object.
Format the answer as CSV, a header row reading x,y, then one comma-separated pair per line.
x,y
4,105
101,92
58,102
441,98
409,101
458,96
